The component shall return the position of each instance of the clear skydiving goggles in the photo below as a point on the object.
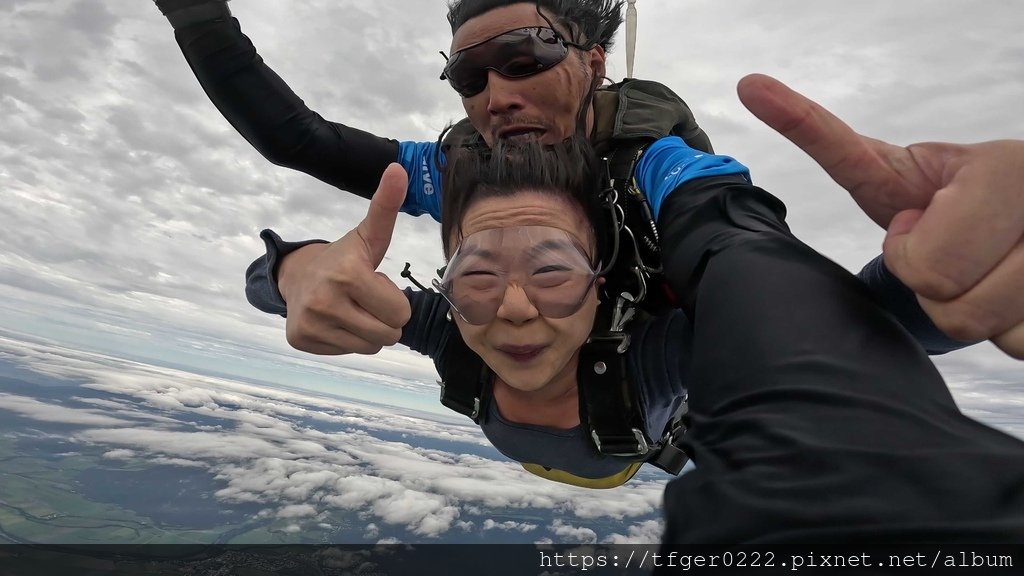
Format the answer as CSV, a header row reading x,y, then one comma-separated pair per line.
x,y
547,263
514,54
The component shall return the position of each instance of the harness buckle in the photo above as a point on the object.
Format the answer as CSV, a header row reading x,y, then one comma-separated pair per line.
x,y
621,338
449,402
622,313
622,446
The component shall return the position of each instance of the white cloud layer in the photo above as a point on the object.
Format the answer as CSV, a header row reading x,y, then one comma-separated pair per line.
x,y
276,449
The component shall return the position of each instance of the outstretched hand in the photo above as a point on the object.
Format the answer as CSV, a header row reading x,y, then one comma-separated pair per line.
x,y
953,214
337,302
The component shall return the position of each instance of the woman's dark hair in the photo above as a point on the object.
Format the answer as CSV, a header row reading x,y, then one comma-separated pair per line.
x,y
589,22
568,170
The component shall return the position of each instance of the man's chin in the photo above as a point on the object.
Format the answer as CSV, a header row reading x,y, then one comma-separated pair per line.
x,y
527,137
546,136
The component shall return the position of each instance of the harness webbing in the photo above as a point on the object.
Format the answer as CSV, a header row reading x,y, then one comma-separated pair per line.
x,y
465,380
608,405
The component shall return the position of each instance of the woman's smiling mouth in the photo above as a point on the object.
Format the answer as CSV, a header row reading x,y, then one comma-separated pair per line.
x,y
521,354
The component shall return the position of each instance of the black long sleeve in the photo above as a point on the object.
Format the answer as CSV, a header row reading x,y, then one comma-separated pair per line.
x,y
814,416
265,111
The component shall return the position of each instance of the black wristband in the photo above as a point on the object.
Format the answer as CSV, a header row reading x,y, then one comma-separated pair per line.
x,y
185,13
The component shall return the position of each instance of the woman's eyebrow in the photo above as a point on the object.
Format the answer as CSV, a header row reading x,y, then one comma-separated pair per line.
x,y
552,245
477,253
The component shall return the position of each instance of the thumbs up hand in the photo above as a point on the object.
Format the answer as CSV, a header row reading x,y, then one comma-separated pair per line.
x,y
337,302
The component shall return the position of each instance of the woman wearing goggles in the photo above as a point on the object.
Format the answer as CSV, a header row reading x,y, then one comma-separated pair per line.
x,y
548,265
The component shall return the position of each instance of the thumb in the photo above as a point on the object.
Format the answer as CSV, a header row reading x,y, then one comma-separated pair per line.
x,y
902,223
378,226
896,249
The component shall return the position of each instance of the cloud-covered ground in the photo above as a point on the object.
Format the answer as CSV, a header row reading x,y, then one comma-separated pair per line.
x,y
309,460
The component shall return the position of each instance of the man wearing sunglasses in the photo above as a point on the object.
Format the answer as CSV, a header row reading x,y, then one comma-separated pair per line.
x,y
522,70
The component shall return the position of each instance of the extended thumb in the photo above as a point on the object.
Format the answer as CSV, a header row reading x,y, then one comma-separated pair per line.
x,y
379,224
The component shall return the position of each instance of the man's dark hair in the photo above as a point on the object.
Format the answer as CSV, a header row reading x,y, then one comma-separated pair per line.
x,y
589,22
569,170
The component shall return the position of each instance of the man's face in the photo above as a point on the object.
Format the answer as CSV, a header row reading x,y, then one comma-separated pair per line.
x,y
544,105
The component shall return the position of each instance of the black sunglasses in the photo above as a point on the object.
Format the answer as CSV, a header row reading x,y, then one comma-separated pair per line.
x,y
514,54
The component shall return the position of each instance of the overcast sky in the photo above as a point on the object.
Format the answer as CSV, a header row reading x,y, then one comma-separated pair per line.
x,y
130,208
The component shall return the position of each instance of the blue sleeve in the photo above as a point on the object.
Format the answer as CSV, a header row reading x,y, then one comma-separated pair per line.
x,y
900,301
669,162
420,163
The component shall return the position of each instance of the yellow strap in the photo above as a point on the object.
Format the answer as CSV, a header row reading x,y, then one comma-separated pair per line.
x,y
556,475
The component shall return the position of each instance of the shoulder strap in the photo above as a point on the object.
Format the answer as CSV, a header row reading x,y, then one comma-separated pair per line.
x,y
465,380
610,408
637,266
608,405
646,110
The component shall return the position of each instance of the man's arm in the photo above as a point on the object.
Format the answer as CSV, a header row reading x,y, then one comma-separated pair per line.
x,y
901,302
953,214
683,164
264,110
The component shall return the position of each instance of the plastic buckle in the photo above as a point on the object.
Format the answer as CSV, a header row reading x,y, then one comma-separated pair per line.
x,y
621,339
642,447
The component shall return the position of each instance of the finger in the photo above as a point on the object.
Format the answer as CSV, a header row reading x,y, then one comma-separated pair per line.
x,y
332,343
967,230
379,224
815,130
991,308
903,222
383,300
341,332
1012,342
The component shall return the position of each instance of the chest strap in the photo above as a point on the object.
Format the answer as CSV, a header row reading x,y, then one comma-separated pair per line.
x,y
610,407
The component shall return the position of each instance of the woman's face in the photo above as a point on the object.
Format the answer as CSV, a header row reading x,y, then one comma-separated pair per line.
x,y
527,350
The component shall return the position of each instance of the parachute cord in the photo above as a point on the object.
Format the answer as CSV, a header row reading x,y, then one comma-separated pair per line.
x,y
630,37
408,275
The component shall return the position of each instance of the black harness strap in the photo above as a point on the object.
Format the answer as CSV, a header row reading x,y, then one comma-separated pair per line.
x,y
641,243
611,410
670,456
465,381
607,401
